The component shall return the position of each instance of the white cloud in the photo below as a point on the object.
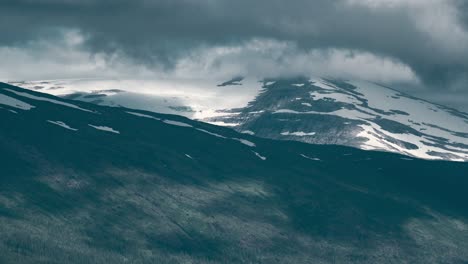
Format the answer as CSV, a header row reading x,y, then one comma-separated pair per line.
x,y
269,58
260,58
63,58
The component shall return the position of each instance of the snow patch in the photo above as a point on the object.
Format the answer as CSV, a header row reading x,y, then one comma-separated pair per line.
x,y
12,102
418,111
143,115
257,112
336,97
248,132
260,156
38,98
62,124
221,123
176,123
105,128
210,133
299,134
323,84
310,158
245,142
377,139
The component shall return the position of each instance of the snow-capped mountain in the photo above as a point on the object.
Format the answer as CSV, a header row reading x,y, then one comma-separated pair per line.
x,y
195,99
81,182
355,113
320,111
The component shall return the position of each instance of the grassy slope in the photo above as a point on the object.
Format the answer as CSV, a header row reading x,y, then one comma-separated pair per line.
x,y
91,196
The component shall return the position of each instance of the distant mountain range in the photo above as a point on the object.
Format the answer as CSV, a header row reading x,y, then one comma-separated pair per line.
x,y
83,183
312,110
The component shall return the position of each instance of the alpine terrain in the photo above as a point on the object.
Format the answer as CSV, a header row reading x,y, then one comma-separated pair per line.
x,y
313,110
85,183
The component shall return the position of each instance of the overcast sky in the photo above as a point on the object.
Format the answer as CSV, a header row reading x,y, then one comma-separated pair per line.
x,y
419,46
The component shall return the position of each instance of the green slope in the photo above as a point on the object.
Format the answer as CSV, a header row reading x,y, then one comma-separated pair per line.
x,y
163,193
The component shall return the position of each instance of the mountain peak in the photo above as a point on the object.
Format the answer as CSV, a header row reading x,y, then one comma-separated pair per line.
x,y
355,113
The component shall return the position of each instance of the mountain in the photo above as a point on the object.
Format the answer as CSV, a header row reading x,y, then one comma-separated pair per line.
x,y
83,183
353,113
319,111
195,99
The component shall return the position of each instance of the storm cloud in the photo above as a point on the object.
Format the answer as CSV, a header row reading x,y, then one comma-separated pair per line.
x,y
418,40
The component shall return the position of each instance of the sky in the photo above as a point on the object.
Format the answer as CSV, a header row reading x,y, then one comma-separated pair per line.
x,y
417,46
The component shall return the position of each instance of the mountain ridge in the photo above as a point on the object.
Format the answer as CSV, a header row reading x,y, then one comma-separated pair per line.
x,y
332,104
185,191
360,114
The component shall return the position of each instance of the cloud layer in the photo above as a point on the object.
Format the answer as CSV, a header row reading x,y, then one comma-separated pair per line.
x,y
385,40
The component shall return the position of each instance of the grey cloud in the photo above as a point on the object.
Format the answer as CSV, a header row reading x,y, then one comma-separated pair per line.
x,y
162,31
